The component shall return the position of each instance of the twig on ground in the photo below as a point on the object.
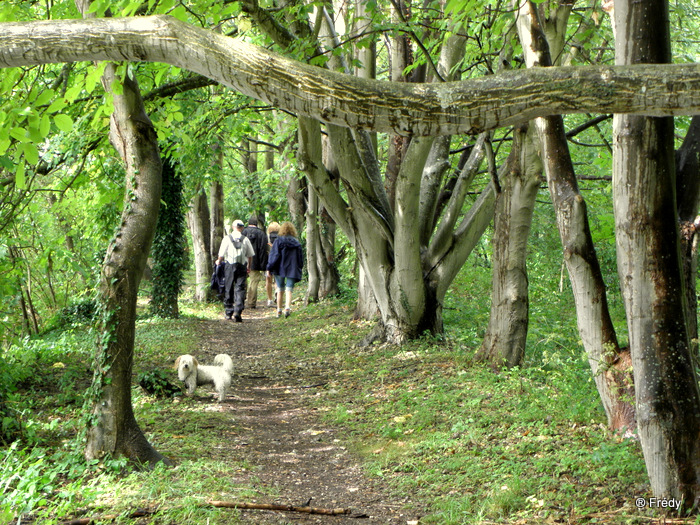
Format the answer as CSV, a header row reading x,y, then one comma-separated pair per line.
x,y
220,504
280,508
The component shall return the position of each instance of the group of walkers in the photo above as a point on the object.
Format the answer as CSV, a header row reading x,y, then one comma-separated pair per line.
x,y
248,252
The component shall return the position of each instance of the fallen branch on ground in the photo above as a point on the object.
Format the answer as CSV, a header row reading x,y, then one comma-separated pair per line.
x,y
279,508
221,505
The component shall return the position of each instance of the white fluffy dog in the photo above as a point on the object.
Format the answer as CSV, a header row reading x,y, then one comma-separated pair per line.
x,y
193,374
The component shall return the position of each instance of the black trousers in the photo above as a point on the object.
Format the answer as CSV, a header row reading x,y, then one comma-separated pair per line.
x,y
235,288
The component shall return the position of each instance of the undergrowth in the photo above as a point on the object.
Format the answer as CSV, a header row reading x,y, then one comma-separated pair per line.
x,y
465,444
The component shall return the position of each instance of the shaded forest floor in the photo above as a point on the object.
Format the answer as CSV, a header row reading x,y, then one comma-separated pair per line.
x,y
292,452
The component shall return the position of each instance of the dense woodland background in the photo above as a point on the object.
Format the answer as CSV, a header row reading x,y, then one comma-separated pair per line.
x,y
463,234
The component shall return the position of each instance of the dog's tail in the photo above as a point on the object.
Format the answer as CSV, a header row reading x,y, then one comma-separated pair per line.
x,y
224,362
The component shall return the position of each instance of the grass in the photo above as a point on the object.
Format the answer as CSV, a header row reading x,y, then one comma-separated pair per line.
x,y
465,444
470,445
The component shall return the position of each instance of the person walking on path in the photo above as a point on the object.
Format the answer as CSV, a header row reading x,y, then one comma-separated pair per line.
x,y
285,263
238,253
272,231
258,240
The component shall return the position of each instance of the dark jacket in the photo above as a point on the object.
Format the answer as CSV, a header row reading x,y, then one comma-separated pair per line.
x,y
286,258
218,278
258,239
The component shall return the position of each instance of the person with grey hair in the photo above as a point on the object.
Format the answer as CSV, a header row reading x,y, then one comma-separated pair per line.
x,y
238,253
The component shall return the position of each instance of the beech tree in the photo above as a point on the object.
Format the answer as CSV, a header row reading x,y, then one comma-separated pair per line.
x,y
608,362
651,276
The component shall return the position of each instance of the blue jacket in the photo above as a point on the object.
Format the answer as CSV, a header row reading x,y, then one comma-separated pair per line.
x,y
286,258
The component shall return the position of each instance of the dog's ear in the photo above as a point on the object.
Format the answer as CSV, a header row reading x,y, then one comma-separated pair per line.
x,y
177,362
194,361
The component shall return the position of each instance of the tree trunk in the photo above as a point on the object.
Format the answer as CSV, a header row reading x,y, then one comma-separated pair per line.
x,y
113,429
646,231
506,335
217,227
296,200
168,253
199,224
609,364
320,241
313,241
310,158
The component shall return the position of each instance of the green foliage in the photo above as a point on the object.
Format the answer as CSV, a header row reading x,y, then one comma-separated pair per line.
x,y
80,312
156,383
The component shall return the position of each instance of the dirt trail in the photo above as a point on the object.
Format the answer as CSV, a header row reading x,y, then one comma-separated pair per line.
x,y
288,446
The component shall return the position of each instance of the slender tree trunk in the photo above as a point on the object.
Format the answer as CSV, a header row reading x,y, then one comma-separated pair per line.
x,y
112,429
313,246
506,335
217,227
310,158
646,231
325,257
168,253
296,200
199,224
320,241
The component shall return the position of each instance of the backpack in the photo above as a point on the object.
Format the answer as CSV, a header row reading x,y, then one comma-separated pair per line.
x,y
237,245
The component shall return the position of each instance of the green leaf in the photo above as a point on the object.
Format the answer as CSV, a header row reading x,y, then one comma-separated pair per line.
x,y
44,97
19,134
31,153
56,105
73,92
20,178
63,122
44,126
180,13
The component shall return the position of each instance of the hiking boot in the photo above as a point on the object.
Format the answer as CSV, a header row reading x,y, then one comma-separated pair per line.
x,y
286,313
279,314
238,318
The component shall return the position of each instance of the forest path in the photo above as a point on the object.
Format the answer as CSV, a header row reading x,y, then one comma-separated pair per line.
x,y
292,452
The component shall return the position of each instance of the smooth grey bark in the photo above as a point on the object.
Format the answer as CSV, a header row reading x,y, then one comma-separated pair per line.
x,y
609,364
320,233
217,219
506,334
199,224
647,236
412,109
